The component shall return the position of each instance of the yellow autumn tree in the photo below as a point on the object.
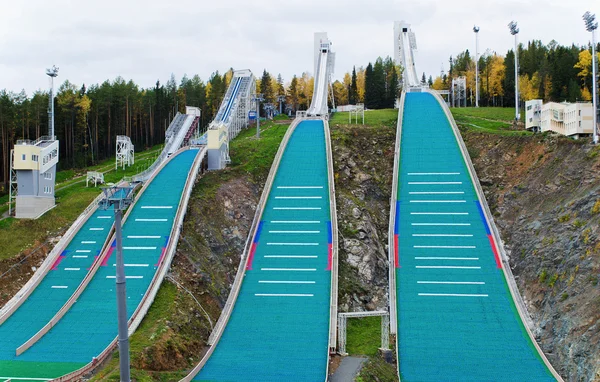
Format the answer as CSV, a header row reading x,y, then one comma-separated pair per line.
x,y
529,87
497,70
360,84
438,84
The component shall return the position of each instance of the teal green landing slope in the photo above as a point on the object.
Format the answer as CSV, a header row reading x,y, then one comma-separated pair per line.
x,y
456,317
51,294
279,327
91,324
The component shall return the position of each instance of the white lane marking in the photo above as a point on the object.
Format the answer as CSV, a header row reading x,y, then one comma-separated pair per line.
x,y
453,282
436,193
298,197
296,221
96,229
59,287
291,256
127,277
290,269
292,244
442,224
438,201
453,295
446,258
284,282
80,256
299,187
104,217
150,220
296,208
294,231
445,246
72,269
134,265
440,235
444,267
142,237
25,379
157,207
434,182
439,213
284,294
434,173
88,242
83,251
137,248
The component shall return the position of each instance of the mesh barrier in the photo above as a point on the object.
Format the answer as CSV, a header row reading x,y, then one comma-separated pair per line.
x,y
456,318
279,327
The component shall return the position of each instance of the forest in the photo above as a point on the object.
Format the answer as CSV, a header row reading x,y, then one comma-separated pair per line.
x,y
88,118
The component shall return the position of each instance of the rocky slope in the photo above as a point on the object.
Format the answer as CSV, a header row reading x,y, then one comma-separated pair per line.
x,y
544,192
363,164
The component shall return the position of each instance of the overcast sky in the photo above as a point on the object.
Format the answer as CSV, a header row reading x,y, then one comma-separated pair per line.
x,y
146,40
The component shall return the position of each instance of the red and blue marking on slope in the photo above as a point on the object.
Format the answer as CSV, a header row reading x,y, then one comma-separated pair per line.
x,y
57,261
329,246
112,248
489,235
254,244
396,232
163,251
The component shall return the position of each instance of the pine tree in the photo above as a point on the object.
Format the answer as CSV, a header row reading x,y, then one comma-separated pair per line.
x,y
423,79
369,88
353,91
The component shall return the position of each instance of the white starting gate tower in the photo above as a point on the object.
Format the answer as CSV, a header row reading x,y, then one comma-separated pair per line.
x,y
125,152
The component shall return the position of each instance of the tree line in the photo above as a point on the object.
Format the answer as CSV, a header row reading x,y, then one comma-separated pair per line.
x,y
376,85
551,72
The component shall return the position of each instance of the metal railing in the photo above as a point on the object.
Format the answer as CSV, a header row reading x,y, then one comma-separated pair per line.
x,y
333,305
43,138
393,303
514,290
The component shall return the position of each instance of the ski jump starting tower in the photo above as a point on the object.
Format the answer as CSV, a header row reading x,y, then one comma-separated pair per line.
x,y
231,118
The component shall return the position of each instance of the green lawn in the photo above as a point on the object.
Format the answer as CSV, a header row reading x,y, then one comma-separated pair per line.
x,y
506,114
372,117
492,120
363,336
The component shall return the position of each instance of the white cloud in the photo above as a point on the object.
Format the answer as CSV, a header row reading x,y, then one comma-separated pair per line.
x,y
92,41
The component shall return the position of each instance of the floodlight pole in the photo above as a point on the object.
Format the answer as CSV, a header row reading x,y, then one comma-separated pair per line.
x,y
52,72
258,98
119,204
515,31
476,30
591,26
122,302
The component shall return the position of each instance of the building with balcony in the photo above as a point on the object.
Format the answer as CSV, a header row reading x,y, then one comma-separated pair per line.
x,y
34,163
571,119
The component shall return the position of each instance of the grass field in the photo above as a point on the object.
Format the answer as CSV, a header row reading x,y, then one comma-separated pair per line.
x,y
372,118
363,336
492,120
72,197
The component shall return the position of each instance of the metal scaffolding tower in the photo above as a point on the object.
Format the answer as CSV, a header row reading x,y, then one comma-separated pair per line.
x,y
125,152
459,92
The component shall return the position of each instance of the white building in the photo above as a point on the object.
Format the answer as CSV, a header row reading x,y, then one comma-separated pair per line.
x,y
533,114
570,119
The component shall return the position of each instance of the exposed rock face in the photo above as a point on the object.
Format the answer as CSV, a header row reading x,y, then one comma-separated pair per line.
x,y
544,194
363,164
